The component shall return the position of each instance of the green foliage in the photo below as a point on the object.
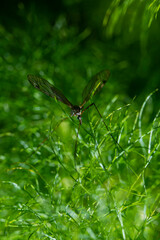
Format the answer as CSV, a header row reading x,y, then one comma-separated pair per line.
x,y
101,191
120,11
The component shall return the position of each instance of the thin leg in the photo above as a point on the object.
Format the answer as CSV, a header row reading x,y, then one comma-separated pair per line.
x,y
76,141
93,104
40,144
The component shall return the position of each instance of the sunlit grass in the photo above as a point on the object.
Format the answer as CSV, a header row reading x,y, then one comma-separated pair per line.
x,y
102,193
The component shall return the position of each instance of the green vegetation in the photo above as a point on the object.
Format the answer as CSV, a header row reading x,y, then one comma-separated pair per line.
x,y
101,192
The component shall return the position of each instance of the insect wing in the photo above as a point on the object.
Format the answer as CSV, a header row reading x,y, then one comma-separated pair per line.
x,y
48,89
94,85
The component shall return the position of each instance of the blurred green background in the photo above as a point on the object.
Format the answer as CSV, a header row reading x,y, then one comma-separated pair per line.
x,y
67,42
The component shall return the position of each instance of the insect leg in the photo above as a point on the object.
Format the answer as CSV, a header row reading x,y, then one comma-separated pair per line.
x,y
75,151
93,104
41,144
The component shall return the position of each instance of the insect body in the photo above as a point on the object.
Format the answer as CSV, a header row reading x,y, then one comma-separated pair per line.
x,y
93,86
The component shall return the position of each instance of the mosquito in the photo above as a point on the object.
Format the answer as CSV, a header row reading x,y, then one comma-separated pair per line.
x,y
92,87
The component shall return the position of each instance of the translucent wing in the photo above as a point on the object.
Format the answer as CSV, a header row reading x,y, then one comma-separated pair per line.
x,y
47,88
94,85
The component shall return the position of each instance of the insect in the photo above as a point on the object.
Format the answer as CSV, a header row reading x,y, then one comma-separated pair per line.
x,y
93,86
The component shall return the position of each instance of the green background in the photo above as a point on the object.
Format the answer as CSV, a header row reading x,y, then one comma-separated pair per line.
x,y
101,193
